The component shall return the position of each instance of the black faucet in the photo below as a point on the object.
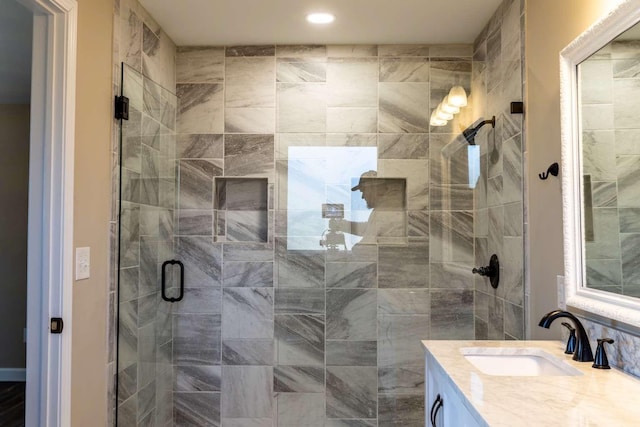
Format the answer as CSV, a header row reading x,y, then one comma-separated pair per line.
x,y
582,352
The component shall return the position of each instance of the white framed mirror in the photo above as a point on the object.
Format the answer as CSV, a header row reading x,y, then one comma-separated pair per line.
x,y
600,121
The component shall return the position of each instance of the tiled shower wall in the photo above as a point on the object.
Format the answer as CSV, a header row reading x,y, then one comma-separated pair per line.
x,y
146,220
498,63
276,333
611,156
272,334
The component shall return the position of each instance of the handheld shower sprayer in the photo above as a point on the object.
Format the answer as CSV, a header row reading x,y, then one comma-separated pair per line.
x,y
471,132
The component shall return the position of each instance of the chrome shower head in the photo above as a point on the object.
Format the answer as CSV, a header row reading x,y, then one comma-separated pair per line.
x,y
471,132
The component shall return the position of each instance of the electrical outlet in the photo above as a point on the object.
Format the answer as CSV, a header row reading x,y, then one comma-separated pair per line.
x,y
83,263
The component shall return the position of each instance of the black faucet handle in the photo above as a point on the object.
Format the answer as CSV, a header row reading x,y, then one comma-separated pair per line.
x,y
601,360
571,342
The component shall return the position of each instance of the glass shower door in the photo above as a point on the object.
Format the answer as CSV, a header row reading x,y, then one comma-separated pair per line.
x,y
147,200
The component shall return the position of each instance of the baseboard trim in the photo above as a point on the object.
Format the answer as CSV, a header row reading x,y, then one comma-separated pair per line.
x,y
13,375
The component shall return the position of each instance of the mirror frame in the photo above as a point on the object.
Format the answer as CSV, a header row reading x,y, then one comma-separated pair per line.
x,y
604,307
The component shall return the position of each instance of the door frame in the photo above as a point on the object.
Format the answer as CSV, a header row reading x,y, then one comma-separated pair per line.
x,y
50,222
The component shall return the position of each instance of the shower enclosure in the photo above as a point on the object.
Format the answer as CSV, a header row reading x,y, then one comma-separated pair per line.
x,y
324,226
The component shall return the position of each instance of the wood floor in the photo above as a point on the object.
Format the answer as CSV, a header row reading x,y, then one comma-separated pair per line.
x,y
12,404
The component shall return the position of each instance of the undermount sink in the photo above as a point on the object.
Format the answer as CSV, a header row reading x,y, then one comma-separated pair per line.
x,y
517,362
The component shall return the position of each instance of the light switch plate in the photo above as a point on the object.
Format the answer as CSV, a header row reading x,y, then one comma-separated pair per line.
x,y
83,263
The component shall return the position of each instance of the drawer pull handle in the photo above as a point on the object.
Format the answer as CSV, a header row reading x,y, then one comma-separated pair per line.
x,y
437,403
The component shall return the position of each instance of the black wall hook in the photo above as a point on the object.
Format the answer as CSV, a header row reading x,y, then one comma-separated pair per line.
x,y
552,170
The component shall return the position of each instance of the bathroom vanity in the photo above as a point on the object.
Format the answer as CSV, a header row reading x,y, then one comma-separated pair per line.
x,y
480,383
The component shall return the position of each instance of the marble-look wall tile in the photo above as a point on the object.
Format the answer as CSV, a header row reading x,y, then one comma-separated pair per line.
x,y
202,409
451,276
352,82
300,270
403,267
128,411
401,380
200,108
399,339
249,155
199,146
248,252
158,57
627,141
351,314
246,226
403,301
197,378
606,231
403,146
396,50
416,173
247,422
451,314
300,339
351,51
301,70
193,222
630,248
351,353
299,301
196,183
297,409
202,261
200,64
247,274
250,50
298,379
418,226
249,82
451,237
301,51
341,119
351,392
247,313
451,51
624,113
247,391
250,120
200,301
409,69
248,352
399,409
512,174
628,174
301,107
350,423
404,108
196,339
351,275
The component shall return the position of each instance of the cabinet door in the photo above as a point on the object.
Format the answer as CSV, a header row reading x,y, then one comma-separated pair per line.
x,y
443,407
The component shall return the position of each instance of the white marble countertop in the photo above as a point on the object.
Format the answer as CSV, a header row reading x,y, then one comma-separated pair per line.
x,y
597,398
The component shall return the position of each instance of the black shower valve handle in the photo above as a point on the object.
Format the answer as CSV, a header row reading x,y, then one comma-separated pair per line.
x,y
492,271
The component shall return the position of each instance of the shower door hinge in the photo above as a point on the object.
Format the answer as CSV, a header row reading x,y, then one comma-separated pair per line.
x,y
56,325
122,108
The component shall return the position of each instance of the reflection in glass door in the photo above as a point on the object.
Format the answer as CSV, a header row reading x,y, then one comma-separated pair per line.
x,y
147,201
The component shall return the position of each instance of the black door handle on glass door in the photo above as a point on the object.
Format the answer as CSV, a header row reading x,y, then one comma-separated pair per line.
x,y
164,280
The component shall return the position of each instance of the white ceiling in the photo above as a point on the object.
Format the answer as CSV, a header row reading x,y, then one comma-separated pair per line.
x,y
15,53
241,22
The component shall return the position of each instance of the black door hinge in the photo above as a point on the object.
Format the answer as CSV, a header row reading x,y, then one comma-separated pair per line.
x,y
122,108
57,325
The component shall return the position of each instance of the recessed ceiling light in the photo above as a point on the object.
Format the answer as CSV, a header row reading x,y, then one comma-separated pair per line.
x,y
320,18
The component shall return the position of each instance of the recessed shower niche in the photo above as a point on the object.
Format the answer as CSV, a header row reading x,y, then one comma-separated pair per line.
x,y
240,210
